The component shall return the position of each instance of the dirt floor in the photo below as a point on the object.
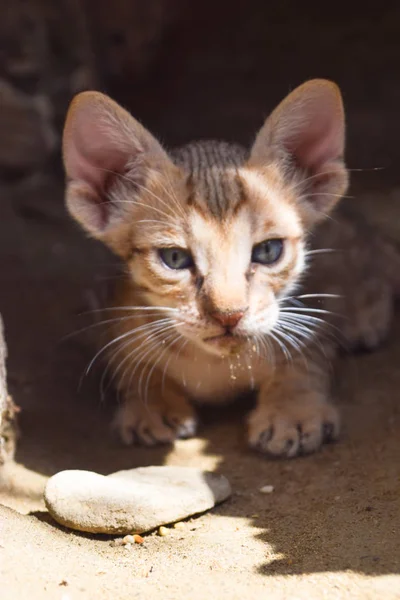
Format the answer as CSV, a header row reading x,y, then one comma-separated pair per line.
x,y
331,527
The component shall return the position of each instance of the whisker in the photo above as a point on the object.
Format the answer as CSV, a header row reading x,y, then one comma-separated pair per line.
x,y
105,322
154,334
126,308
139,353
299,309
121,349
155,338
167,365
173,337
305,296
274,333
292,340
120,337
178,352
131,340
313,334
320,326
322,251
311,177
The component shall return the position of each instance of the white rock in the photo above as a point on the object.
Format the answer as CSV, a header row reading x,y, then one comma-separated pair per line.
x,y
133,501
267,489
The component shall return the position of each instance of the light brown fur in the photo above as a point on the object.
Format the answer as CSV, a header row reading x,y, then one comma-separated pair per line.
x,y
169,342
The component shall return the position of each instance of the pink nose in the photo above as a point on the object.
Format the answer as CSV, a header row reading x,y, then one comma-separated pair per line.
x,y
228,318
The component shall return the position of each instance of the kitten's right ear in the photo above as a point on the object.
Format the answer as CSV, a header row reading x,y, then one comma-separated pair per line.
x,y
108,157
305,135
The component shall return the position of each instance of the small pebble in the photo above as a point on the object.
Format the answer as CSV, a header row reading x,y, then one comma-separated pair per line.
x,y
267,489
138,539
128,539
163,531
179,525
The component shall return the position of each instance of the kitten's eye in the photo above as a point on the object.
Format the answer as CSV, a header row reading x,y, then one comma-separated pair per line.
x,y
176,258
268,252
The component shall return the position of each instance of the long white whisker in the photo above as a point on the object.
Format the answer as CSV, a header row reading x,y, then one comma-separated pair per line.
x,y
274,333
296,344
121,337
168,341
155,338
154,333
304,296
132,340
107,321
298,309
322,251
127,308
310,178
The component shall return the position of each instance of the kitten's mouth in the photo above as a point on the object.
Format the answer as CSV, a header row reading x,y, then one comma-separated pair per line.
x,y
227,340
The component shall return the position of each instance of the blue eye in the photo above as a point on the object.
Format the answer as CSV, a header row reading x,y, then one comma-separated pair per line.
x,y
268,252
176,258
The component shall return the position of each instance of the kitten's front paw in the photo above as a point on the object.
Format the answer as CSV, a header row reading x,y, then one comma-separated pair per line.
x,y
291,429
150,425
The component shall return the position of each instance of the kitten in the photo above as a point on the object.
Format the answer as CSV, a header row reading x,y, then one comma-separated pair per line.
x,y
215,239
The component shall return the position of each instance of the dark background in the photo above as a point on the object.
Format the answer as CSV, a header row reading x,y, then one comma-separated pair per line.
x,y
188,70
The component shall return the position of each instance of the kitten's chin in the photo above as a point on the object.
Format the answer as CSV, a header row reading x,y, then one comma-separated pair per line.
x,y
224,345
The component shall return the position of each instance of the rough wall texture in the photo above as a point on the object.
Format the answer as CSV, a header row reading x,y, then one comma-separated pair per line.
x,y
3,383
8,410
45,58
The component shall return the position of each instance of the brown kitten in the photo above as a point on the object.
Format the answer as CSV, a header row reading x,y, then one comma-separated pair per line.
x,y
216,241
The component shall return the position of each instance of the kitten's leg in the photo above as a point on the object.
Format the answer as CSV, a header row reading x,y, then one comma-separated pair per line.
x,y
164,416
293,414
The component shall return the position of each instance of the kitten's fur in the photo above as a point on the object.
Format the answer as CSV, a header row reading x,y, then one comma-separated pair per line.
x,y
218,201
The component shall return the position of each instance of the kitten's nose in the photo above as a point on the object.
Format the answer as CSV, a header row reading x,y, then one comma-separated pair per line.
x,y
228,318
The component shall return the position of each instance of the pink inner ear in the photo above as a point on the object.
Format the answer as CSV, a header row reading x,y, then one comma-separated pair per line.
x,y
318,140
95,147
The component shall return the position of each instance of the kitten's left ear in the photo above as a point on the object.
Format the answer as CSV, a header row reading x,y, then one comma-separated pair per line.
x,y
305,134
109,159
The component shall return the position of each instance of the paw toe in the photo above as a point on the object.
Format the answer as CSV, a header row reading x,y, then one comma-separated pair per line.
x,y
146,426
282,434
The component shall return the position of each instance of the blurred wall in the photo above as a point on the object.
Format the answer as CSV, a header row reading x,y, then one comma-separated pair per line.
x,y
189,69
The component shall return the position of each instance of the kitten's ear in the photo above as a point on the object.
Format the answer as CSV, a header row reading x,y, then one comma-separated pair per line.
x,y
306,135
108,156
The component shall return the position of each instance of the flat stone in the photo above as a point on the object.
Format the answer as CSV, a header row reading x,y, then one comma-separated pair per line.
x,y
132,501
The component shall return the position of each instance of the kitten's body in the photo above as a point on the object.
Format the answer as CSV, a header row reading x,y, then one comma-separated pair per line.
x,y
208,309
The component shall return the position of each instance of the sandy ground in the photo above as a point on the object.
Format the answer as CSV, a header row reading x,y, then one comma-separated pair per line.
x,y
330,529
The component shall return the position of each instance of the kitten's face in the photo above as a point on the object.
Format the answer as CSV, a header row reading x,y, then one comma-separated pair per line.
x,y
215,234
224,268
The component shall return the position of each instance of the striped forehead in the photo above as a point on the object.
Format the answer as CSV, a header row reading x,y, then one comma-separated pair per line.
x,y
213,181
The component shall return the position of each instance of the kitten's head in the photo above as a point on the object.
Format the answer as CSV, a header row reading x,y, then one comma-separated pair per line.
x,y
212,230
